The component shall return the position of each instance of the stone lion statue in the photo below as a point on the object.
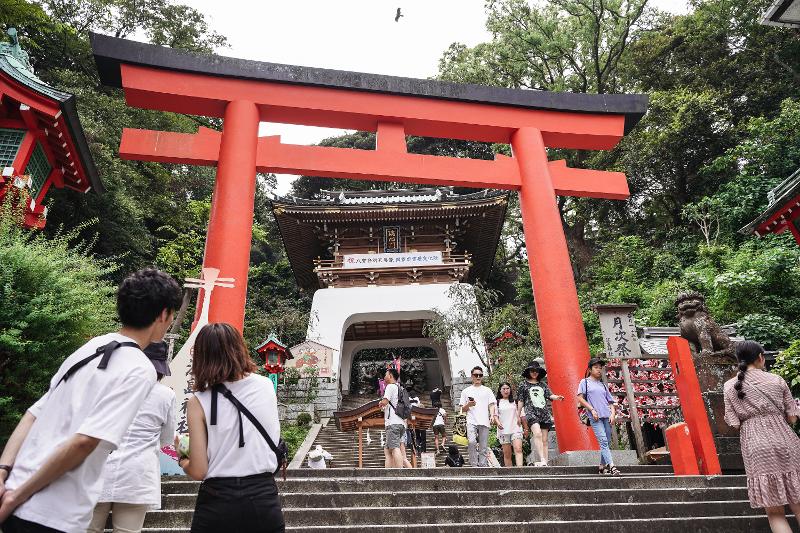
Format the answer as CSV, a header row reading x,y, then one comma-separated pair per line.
x,y
704,335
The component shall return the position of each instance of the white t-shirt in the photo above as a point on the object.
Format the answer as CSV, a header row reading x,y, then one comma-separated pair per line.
x,y
484,397
93,402
225,458
440,417
508,417
133,473
390,418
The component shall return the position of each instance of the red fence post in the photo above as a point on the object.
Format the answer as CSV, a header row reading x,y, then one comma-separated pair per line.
x,y
681,450
692,405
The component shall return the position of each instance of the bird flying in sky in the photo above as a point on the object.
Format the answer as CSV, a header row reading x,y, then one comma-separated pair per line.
x,y
398,15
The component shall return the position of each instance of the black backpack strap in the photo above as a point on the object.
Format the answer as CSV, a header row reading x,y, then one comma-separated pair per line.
x,y
105,350
220,388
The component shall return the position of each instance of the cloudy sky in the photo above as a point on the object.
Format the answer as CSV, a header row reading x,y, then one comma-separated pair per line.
x,y
358,35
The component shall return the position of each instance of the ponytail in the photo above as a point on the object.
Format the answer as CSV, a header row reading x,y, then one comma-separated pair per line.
x,y
747,352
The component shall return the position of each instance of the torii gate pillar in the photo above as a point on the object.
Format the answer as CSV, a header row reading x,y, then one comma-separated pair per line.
x,y
230,224
564,343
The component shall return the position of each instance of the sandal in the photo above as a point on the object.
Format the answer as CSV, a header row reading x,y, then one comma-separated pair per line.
x,y
613,470
603,470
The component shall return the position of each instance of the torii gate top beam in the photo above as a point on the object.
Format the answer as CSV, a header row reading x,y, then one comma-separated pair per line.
x,y
203,85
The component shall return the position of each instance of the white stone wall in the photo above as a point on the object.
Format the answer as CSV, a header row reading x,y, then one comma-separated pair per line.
x,y
335,309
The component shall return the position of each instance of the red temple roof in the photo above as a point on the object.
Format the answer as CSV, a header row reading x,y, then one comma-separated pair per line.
x,y
56,152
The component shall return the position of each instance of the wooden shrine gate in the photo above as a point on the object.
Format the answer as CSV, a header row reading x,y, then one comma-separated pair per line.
x,y
244,93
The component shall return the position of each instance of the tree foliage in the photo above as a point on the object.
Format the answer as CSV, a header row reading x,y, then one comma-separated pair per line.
x,y
54,296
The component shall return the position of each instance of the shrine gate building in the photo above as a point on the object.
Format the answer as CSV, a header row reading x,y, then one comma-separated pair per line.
x,y
383,262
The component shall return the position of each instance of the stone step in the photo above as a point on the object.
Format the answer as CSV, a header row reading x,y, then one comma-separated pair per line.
x,y
480,514
472,473
484,483
710,524
303,500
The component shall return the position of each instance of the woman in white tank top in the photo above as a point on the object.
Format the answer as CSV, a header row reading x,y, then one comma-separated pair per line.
x,y
226,450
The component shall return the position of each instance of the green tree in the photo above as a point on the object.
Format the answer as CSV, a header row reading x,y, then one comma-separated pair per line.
x,y
53,298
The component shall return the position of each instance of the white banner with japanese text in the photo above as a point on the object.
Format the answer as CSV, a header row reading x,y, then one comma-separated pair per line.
x,y
406,259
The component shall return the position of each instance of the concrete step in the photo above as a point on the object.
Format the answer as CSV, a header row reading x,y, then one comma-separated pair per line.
x,y
711,524
481,514
304,500
485,483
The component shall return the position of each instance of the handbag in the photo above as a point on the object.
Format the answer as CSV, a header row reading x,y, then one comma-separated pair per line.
x,y
460,429
583,414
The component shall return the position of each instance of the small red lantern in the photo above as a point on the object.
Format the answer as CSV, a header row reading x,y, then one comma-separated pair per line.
x,y
275,354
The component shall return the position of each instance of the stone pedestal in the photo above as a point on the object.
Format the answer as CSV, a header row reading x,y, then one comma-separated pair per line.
x,y
712,373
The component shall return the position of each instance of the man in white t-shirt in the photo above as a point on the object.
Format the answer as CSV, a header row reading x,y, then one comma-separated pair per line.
x,y
480,405
51,468
394,425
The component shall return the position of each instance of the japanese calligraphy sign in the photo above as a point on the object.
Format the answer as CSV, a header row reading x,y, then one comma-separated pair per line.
x,y
391,239
619,331
409,259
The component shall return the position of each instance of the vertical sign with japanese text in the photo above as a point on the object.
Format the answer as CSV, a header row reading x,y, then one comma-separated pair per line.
x,y
619,331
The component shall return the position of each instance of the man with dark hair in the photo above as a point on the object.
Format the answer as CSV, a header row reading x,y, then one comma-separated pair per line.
x,y
50,469
395,426
480,405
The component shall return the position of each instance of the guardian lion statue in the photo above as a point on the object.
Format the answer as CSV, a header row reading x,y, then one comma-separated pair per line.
x,y
704,335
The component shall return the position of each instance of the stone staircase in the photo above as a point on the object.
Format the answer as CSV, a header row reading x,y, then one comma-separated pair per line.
x,y
552,499
344,445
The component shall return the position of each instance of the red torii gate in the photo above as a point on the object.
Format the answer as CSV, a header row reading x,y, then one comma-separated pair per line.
x,y
244,93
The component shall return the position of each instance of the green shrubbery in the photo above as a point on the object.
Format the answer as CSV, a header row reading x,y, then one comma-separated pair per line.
x,y
787,365
53,298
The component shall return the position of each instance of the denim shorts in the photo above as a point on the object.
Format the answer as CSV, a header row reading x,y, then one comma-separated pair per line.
x,y
507,439
394,435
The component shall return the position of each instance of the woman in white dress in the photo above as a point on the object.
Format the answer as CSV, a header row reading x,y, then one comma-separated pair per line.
x,y
132,473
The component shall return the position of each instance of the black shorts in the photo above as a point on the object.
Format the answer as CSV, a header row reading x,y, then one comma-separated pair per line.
x,y
543,425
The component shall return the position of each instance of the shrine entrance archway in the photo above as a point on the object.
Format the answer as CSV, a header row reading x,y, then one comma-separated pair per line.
x,y
243,93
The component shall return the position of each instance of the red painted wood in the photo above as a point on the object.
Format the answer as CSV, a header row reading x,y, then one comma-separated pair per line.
x,y
24,153
391,137
12,123
566,350
681,450
789,211
198,94
692,405
389,163
230,226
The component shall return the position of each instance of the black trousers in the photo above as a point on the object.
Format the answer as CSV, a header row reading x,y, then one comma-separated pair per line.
x,y
18,525
245,505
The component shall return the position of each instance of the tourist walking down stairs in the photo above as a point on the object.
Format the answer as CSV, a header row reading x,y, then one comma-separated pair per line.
x,y
532,396
600,406
761,406
480,405
395,426
509,431
233,431
132,475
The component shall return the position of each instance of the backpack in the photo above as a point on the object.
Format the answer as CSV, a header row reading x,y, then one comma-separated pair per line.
x,y
281,451
403,407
